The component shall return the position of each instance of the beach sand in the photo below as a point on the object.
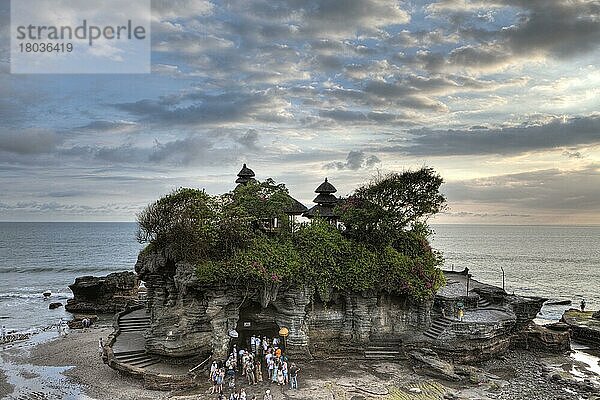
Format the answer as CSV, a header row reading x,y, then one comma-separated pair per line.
x,y
71,368
89,376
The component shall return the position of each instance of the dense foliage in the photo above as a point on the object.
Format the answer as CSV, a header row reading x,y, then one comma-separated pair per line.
x,y
383,247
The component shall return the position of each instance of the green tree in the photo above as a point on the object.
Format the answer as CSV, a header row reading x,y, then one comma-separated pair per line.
x,y
380,211
182,217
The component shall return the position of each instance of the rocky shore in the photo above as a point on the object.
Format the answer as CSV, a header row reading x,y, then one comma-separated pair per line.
x,y
519,374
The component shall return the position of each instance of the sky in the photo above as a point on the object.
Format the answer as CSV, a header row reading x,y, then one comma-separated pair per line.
x,y
501,97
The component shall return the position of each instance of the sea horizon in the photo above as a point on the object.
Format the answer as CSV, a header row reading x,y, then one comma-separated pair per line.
x,y
431,224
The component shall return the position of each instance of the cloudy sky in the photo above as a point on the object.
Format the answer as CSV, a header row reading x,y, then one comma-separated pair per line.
x,y
502,97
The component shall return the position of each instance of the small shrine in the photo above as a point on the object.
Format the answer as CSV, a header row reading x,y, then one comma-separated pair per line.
x,y
326,202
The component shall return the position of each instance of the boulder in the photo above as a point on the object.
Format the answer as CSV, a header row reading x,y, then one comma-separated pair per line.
x,y
106,294
430,364
53,306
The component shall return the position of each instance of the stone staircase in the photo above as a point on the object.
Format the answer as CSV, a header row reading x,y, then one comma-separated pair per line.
x,y
131,333
136,358
438,326
134,323
383,350
483,303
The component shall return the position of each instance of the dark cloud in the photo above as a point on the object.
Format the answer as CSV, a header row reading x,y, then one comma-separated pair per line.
x,y
355,160
556,133
200,108
30,141
554,28
194,150
105,126
249,139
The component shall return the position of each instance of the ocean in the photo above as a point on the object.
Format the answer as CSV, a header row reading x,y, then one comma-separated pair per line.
x,y
36,257
550,261
555,262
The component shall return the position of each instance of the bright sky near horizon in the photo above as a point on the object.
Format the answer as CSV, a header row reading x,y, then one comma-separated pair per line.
x,y
501,97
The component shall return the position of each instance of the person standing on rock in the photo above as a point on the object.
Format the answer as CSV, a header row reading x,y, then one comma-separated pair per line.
x,y
270,364
3,333
258,371
250,373
294,376
582,305
220,379
284,369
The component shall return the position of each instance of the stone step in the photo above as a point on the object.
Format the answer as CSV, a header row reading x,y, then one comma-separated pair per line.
x,y
439,325
129,353
382,348
123,320
145,326
134,324
127,323
133,358
377,339
482,303
431,335
147,361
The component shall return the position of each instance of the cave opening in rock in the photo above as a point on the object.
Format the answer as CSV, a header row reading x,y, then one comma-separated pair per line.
x,y
257,321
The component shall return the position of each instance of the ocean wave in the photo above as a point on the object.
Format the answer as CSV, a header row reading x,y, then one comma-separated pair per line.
x,y
25,270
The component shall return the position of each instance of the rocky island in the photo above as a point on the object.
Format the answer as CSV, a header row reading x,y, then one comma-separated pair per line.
x,y
355,279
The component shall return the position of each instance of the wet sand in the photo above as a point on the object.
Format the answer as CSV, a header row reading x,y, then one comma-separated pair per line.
x,y
71,368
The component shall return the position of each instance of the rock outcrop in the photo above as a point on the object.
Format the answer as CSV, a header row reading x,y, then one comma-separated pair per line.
x,y
191,318
107,294
491,320
584,326
536,337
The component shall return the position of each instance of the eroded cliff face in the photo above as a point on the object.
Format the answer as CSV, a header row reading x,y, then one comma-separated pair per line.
x,y
191,318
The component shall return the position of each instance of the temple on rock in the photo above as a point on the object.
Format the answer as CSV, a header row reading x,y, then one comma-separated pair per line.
x,y
189,317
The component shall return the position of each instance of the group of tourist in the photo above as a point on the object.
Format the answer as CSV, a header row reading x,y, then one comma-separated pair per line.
x,y
264,356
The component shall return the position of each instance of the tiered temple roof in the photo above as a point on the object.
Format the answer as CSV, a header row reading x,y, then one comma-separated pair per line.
x,y
245,175
326,202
